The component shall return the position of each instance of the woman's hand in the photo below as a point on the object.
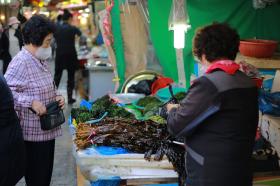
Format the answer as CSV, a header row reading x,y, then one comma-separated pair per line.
x,y
61,101
39,107
171,106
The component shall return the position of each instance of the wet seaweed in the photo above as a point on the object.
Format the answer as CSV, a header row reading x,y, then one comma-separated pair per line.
x,y
145,137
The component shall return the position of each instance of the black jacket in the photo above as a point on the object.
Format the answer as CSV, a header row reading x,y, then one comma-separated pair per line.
x,y
12,150
218,119
4,48
5,44
18,35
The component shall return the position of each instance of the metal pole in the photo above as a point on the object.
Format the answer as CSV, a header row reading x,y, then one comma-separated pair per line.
x,y
180,68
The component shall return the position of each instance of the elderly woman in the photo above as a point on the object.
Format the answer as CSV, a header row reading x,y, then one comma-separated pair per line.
x,y
11,141
218,117
31,82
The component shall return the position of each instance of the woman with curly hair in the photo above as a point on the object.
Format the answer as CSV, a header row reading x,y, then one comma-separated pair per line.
x,y
219,115
31,82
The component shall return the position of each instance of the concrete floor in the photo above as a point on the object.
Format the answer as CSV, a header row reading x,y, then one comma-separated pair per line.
x,y
64,172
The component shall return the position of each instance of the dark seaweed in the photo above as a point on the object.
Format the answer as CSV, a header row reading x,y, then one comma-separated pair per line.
x,y
147,100
180,95
105,104
136,136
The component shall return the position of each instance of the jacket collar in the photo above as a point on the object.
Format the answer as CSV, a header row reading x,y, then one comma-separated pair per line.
x,y
228,66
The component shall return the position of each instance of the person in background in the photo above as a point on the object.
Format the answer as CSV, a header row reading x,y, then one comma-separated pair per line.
x,y
21,17
219,115
59,20
66,55
4,43
31,82
12,151
58,23
15,41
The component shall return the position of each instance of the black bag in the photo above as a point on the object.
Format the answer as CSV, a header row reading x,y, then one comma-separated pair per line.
x,y
53,118
142,87
265,157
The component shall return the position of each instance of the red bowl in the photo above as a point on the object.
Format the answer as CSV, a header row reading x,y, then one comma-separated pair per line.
x,y
258,48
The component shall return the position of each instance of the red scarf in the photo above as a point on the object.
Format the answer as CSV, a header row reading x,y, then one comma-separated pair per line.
x,y
228,66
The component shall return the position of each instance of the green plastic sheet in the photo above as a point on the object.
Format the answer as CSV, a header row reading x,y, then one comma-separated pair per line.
x,y
118,42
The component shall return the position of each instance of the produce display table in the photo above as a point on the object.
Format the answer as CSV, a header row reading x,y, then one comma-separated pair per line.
x,y
82,181
131,168
94,165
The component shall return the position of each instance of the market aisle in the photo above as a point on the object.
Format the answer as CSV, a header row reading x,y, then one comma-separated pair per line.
x,y
64,172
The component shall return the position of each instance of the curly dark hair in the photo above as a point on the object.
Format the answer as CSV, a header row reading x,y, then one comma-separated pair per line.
x,y
36,29
216,41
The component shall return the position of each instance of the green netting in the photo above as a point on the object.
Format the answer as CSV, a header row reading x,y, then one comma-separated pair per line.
x,y
240,14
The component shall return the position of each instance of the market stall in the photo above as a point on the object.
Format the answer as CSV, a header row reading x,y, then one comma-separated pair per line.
x,y
102,159
119,150
126,58
127,153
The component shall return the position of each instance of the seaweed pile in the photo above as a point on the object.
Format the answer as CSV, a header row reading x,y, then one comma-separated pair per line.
x,y
150,104
147,100
82,114
136,136
105,104
133,135
176,155
100,106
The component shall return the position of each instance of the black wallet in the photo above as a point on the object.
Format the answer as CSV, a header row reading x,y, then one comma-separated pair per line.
x,y
53,118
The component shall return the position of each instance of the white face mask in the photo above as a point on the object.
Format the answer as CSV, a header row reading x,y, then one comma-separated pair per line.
x,y
15,26
202,69
43,53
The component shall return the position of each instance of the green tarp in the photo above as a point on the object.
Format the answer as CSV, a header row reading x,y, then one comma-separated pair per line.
x,y
240,14
118,42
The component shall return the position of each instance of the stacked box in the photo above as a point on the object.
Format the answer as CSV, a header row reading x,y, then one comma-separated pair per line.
x,y
270,129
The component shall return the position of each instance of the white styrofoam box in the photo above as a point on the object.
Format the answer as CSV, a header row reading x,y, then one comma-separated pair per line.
x,y
270,129
95,166
276,82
